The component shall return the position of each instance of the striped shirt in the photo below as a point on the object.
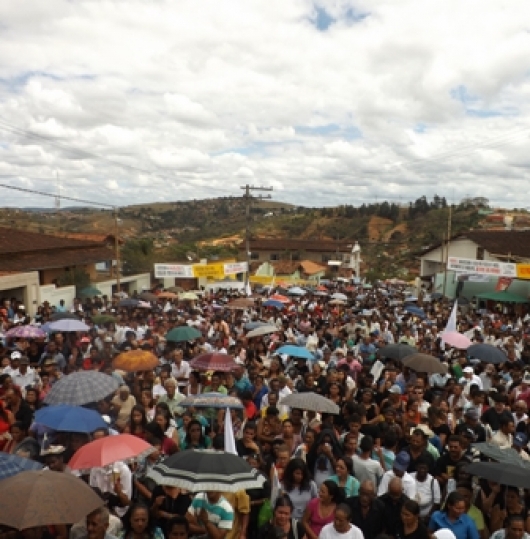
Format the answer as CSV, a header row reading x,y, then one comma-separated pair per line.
x,y
220,514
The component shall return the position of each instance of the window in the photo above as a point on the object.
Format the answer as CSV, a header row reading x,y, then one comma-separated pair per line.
x,y
254,256
480,253
295,256
274,256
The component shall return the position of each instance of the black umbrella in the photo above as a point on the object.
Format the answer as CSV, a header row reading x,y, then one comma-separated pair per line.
x,y
425,363
436,296
486,353
129,302
207,470
494,452
505,473
63,316
397,351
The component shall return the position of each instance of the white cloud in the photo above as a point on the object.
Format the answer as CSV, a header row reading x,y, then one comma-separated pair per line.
x,y
415,98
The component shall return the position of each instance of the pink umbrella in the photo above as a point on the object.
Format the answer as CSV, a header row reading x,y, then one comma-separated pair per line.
x,y
213,362
110,449
456,339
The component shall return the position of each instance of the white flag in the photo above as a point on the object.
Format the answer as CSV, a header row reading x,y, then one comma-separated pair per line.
x,y
230,441
451,324
276,487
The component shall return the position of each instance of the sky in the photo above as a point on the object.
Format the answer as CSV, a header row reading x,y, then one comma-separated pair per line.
x,y
326,101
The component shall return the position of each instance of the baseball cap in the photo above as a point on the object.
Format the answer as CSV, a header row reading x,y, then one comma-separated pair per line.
x,y
15,355
520,439
469,369
402,461
444,533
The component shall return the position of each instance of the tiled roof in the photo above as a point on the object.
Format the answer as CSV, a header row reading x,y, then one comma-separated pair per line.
x,y
19,241
51,258
502,242
93,238
285,267
310,267
324,246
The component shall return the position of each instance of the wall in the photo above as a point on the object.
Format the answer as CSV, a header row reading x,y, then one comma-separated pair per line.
x,y
23,286
54,294
139,282
48,276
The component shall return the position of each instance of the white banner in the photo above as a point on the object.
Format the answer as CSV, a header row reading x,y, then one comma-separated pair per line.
x,y
236,267
481,267
178,271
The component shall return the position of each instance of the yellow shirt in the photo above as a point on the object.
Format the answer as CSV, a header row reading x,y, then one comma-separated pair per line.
x,y
240,503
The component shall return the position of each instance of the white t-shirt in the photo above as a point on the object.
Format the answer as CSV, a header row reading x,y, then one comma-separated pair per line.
x,y
409,484
427,493
329,532
181,371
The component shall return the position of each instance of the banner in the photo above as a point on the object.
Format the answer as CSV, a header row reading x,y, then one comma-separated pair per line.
x,y
212,271
503,283
462,277
235,267
178,271
481,267
523,271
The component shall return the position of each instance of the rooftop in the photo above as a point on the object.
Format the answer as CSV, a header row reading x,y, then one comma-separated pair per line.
x,y
324,246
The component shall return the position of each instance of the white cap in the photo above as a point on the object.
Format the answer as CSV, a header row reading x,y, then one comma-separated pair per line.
x,y
444,533
469,369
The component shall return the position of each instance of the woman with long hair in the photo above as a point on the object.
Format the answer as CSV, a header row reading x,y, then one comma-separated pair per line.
x,y
170,442
32,398
138,524
194,386
297,483
454,518
137,422
321,511
195,438
282,518
411,526
344,476
321,458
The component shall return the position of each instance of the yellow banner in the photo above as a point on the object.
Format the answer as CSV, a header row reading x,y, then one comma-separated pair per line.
x,y
523,271
212,271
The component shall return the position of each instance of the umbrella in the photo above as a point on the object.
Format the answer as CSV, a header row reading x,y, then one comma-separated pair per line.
x,y
424,363
167,295
212,400
263,330
397,351
189,296
280,298
128,303
337,302
273,303
67,418
40,498
493,451
456,339
214,361
241,303
310,401
90,291
25,332
339,295
135,360
410,299
253,325
148,296
63,316
296,291
207,470
108,450
416,311
81,388
101,319
295,351
175,289
13,464
505,473
183,333
67,325
486,353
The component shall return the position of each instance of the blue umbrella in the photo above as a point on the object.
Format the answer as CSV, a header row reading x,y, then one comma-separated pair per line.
x,y
66,418
273,303
295,351
13,464
416,311
253,325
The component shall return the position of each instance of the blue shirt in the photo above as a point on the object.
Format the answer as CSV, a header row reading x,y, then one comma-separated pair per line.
x,y
463,527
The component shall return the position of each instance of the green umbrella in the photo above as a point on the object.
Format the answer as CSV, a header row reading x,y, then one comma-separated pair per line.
x,y
183,333
103,319
90,291
503,296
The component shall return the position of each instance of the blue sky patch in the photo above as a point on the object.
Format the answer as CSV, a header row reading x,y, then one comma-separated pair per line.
x,y
322,19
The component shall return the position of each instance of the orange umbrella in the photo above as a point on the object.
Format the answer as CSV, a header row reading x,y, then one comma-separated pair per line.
x,y
322,288
279,297
135,360
167,295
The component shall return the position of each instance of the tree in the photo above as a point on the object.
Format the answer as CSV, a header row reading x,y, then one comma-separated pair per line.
x,y
138,256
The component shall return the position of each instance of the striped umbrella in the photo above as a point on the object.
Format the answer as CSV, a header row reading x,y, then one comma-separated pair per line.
x,y
206,470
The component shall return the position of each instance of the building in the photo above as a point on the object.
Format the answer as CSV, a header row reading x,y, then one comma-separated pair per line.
x,y
290,270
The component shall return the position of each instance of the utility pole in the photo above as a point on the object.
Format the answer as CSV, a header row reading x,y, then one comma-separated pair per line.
x,y
447,245
248,201
117,249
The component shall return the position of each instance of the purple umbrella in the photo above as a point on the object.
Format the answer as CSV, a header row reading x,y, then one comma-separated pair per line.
x,y
25,332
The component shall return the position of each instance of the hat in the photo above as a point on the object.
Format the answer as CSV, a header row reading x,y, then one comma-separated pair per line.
x,y
472,413
24,360
340,351
125,387
50,361
444,533
395,389
401,462
424,428
108,338
85,340
520,439
469,370
53,450
15,356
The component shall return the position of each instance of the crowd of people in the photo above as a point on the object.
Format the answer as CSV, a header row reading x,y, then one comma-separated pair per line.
x,y
392,463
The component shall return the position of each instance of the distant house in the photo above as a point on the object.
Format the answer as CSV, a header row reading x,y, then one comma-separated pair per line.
x,y
292,270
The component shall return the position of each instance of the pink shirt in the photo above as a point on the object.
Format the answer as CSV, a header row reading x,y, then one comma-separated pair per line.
x,y
316,522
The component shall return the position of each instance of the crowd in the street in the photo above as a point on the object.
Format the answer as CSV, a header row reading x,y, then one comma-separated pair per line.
x,y
392,463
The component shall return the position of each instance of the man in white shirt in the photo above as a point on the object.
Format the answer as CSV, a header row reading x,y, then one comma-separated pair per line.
x,y
117,481
504,436
399,469
180,370
25,376
469,379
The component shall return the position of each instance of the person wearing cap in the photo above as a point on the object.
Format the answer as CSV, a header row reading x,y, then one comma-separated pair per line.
x,y
469,378
472,423
399,470
25,376
520,444
53,456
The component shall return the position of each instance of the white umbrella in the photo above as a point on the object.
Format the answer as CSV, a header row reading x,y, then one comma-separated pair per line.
x,y
338,295
264,330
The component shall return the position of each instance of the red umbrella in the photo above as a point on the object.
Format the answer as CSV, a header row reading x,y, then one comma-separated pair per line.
x,y
279,297
110,449
213,362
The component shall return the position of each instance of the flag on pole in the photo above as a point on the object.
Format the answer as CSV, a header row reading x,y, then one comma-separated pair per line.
x,y
230,441
276,487
451,324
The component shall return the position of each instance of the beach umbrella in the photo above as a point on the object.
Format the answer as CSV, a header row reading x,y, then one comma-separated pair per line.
x,y
410,299
424,363
397,351
263,330
281,298
67,418
505,473
90,291
337,302
206,470
13,464
41,498
175,289
273,303
312,402
25,332
63,316
486,353
456,339
213,361
183,333
81,387
135,361
108,450
212,400
295,351
66,325
493,451
241,303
